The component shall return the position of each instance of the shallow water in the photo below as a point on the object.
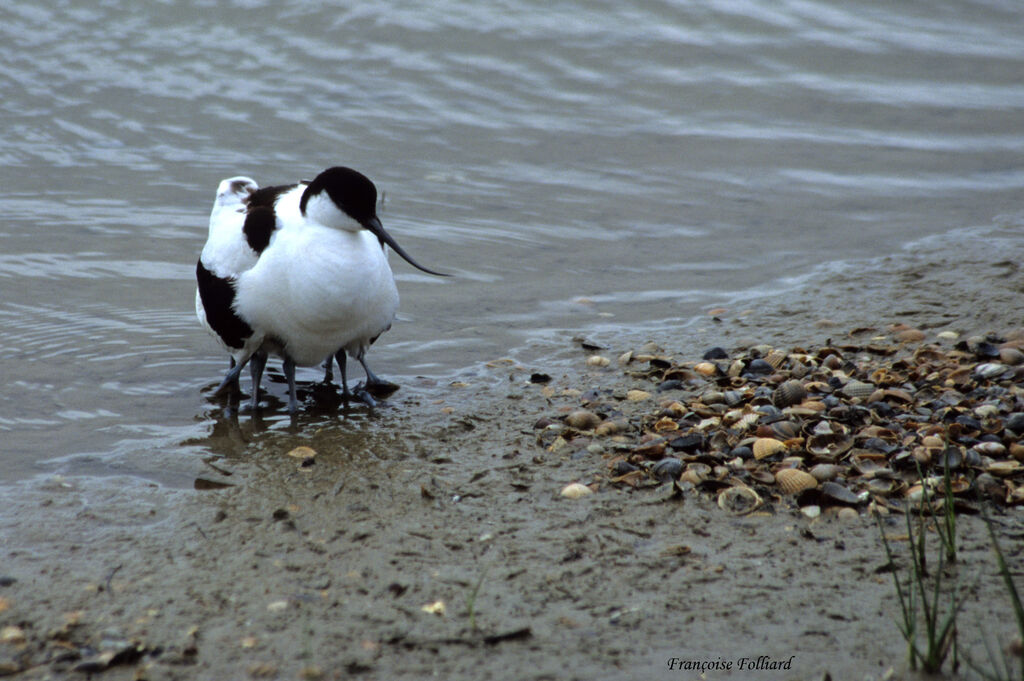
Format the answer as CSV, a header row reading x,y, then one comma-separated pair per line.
x,y
581,168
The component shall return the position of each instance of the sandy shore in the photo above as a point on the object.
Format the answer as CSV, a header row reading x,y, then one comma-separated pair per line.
x,y
429,539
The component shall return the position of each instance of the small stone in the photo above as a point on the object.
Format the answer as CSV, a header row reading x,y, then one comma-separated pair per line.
x,y
811,511
637,395
262,670
12,634
847,514
598,361
311,673
277,606
910,336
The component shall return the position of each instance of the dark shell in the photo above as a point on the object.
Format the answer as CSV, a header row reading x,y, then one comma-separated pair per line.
x,y
668,468
759,367
716,353
839,494
687,443
1015,422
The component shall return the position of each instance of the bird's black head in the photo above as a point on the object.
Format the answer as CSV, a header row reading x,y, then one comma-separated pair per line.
x,y
350,190
354,194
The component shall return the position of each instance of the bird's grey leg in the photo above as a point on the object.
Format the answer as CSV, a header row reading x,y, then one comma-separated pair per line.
x,y
256,365
362,390
289,374
342,360
231,378
236,391
374,382
329,369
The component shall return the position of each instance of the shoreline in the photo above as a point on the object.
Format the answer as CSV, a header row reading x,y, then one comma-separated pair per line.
x,y
432,538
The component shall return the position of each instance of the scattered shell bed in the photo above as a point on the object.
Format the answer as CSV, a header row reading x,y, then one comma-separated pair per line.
x,y
872,422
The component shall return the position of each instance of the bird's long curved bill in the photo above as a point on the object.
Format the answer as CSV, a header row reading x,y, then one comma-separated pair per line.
x,y
374,225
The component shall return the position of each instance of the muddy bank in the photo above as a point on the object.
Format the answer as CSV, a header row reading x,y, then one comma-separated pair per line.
x,y
429,538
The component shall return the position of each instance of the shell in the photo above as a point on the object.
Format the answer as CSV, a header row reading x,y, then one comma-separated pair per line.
x,y
581,419
696,473
993,449
713,397
610,427
667,469
910,336
789,393
824,472
1004,467
794,481
831,445
665,424
765,446
840,494
1011,356
786,429
746,422
775,358
989,370
706,368
598,361
1016,450
575,490
738,500
832,362
302,452
733,397
855,388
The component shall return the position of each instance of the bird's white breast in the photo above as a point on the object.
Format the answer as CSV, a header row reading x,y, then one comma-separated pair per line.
x,y
316,289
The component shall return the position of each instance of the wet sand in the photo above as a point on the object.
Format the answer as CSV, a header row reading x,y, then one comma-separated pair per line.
x,y
430,539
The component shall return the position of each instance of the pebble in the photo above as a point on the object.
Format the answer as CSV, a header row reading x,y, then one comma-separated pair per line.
x,y
12,634
910,336
848,514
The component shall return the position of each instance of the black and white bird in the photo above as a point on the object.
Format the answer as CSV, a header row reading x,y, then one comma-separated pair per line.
x,y
227,254
321,284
